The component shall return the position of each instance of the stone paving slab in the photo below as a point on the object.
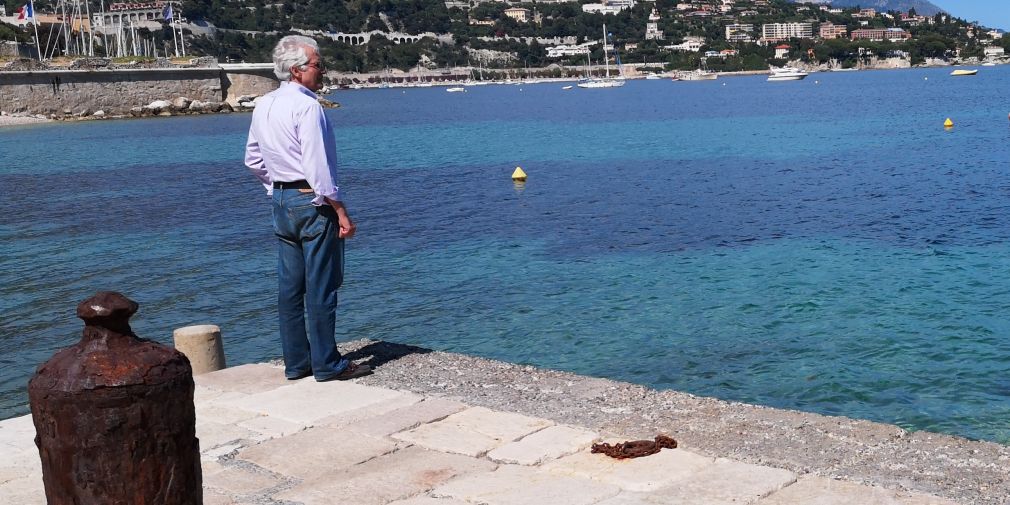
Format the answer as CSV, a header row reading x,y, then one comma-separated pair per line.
x,y
813,490
550,443
397,475
406,418
371,412
473,432
213,434
267,427
240,481
17,434
521,485
449,438
726,482
662,469
23,491
316,451
223,414
427,500
17,464
248,379
309,401
212,497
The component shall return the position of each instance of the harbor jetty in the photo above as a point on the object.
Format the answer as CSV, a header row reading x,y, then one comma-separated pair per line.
x,y
432,428
94,88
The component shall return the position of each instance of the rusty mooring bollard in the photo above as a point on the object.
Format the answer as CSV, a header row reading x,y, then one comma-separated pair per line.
x,y
114,416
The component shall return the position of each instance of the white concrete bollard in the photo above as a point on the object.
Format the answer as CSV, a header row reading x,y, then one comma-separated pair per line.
x,y
202,345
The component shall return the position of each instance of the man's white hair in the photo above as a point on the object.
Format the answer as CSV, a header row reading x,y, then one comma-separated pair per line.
x,y
290,52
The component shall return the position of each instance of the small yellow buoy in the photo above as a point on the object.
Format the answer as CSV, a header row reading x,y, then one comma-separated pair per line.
x,y
519,175
948,123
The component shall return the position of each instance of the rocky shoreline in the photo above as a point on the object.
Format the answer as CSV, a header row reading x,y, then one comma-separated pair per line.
x,y
180,106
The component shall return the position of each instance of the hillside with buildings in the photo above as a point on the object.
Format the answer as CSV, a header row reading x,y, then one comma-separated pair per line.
x,y
923,7
377,35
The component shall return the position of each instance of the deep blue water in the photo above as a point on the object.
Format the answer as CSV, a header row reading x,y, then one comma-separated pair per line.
x,y
822,245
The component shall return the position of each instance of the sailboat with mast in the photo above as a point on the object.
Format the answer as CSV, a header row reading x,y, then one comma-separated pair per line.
x,y
607,81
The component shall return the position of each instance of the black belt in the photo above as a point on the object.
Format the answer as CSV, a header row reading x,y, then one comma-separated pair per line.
x,y
302,184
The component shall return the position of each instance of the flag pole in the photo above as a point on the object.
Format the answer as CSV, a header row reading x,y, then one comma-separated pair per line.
x,y
182,39
171,20
35,25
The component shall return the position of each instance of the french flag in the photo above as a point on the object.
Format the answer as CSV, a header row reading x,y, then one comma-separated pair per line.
x,y
26,12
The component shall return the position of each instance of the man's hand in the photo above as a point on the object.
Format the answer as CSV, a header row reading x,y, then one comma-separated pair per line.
x,y
347,227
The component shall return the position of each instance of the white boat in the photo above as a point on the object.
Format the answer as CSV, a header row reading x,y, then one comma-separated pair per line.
x,y
566,88
787,74
989,64
604,82
964,72
653,77
601,82
456,89
698,75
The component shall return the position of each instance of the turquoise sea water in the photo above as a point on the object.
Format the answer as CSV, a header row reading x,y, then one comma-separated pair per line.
x,y
822,245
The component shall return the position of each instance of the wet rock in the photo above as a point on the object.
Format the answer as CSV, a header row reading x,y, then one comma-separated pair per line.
x,y
181,103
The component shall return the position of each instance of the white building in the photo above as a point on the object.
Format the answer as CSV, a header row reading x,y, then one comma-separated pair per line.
x,y
739,33
518,13
690,44
602,8
652,31
569,50
147,15
994,52
774,32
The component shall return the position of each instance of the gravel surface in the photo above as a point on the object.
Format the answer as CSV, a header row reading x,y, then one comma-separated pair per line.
x,y
20,120
966,471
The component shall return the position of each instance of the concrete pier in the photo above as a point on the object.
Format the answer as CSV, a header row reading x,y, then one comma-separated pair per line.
x,y
432,428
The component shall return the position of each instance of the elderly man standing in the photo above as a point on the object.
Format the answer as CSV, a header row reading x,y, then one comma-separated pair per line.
x,y
291,149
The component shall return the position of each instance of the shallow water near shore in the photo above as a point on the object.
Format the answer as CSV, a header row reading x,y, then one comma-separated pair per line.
x,y
822,245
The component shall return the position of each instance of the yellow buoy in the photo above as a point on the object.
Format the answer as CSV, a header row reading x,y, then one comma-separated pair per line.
x,y
948,123
519,175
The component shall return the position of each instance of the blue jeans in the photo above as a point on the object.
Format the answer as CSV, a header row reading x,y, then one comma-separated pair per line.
x,y
310,269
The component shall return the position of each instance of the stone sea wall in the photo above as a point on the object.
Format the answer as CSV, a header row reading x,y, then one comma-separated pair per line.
x,y
115,92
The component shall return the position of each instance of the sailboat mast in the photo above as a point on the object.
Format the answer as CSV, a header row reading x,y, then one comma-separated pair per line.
x,y
606,58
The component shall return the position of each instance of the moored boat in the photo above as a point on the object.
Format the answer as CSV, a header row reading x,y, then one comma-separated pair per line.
x,y
456,89
787,74
604,82
697,75
961,72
